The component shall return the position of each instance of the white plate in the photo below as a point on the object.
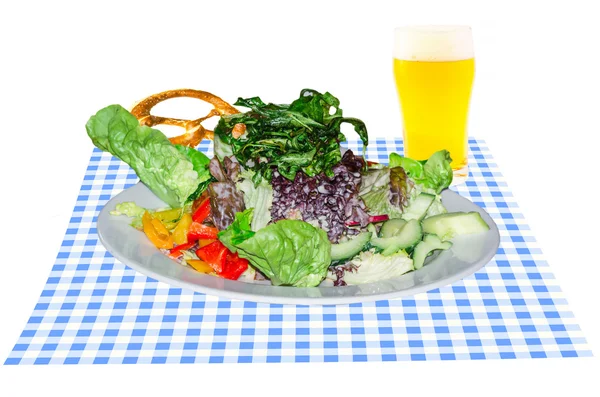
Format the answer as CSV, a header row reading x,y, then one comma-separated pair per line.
x,y
130,246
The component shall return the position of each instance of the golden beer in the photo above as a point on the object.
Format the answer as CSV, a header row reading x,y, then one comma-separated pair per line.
x,y
434,69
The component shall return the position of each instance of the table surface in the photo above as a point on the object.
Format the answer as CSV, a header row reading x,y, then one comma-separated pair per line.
x,y
537,117
95,310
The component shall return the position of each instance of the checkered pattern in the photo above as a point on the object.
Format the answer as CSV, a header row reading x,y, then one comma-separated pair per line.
x,y
95,310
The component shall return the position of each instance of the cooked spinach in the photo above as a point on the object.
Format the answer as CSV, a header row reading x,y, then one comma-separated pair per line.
x,y
302,136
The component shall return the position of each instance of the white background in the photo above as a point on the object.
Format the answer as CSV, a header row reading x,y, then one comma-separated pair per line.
x,y
535,102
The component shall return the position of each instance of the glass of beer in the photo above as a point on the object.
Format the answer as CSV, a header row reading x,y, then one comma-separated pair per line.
x,y
434,67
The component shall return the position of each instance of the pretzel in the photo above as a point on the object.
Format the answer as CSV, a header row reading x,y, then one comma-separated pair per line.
x,y
194,131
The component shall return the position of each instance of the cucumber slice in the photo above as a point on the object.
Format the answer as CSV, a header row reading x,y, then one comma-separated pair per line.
x,y
392,227
436,208
418,208
409,235
446,226
373,229
430,243
350,248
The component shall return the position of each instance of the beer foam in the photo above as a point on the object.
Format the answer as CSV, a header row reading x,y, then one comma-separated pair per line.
x,y
433,43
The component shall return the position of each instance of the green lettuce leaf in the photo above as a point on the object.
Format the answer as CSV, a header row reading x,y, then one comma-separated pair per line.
x,y
375,193
128,208
435,173
221,149
238,231
132,210
198,159
160,165
413,168
375,267
387,191
200,163
259,197
289,252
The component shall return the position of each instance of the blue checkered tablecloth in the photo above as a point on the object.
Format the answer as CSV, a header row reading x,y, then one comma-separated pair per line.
x,y
95,310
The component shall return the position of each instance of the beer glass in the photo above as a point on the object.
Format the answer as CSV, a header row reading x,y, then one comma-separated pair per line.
x,y
434,67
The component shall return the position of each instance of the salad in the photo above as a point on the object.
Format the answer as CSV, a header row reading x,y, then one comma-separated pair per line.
x,y
283,203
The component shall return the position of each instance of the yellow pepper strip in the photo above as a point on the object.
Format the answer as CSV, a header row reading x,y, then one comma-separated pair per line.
x,y
156,232
169,218
171,215
202,243
200,266
181,230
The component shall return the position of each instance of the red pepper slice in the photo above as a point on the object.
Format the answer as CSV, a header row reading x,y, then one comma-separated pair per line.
x,y
199,231
175,252
234,267
215,254
202,212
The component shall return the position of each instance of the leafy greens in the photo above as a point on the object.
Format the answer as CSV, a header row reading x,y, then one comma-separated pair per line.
x,y
434,173
288,252
302,136
200,163
173,173
225,199
238,231
259,197
385,191
389,190
371,267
